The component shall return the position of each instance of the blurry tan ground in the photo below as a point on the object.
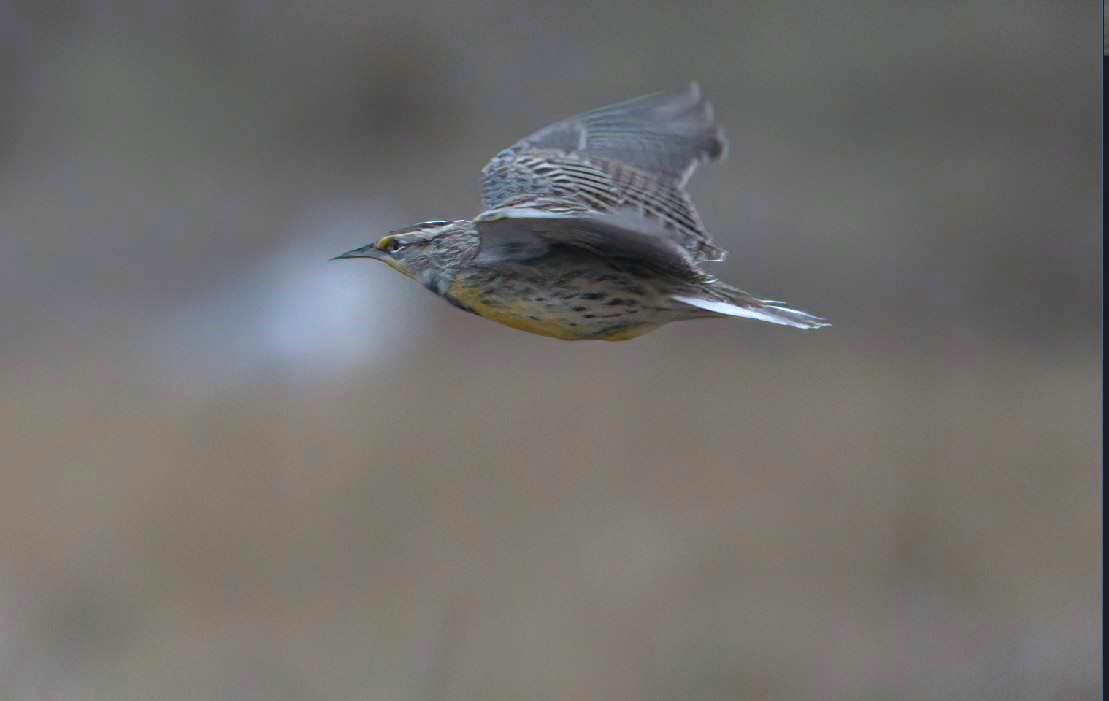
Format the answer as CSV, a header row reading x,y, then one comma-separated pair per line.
x,y
232,470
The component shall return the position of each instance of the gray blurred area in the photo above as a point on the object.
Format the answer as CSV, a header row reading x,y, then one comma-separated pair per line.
x,y
231,469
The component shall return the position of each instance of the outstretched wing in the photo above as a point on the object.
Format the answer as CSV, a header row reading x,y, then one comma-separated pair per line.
x,y
531,228
664,135
635,155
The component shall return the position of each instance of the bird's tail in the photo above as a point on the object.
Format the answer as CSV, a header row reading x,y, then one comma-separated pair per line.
x,y
724,300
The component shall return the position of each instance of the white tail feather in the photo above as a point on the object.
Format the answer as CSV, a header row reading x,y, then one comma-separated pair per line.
x,y
773,312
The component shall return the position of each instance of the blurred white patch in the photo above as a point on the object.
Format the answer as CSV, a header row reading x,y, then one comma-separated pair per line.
x,y
293,316
321,312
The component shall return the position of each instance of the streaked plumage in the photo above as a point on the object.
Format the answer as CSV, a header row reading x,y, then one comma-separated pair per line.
x,y
635,155
588,231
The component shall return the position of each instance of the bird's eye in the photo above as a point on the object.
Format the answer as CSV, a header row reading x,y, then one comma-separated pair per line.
x,y
395,245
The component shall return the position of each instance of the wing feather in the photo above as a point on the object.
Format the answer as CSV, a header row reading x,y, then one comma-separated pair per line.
x,y
518,233
665,134
636,156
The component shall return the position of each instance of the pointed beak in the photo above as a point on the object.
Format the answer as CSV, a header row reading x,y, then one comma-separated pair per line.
x,y
364,252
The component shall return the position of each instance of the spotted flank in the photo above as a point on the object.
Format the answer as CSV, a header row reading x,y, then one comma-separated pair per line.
x,y
569,294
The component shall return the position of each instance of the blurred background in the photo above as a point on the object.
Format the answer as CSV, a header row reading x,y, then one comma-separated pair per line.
x,y
231,469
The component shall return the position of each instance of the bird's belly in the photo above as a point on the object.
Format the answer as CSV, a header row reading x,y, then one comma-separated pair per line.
x,y
554,314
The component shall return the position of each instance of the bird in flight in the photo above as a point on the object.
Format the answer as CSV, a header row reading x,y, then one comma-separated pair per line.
x,y
588,232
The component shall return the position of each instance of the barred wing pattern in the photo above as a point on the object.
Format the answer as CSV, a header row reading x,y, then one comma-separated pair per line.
x,y
633,157
528,228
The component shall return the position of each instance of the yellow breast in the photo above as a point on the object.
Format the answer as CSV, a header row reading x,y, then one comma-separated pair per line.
x,y
526,315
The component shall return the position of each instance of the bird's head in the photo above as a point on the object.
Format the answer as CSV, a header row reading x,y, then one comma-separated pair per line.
x,y
428,253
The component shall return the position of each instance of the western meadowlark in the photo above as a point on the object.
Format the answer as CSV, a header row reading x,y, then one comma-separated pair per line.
x,y
588,232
